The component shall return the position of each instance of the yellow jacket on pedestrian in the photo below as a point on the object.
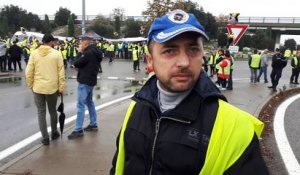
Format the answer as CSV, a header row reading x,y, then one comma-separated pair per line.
x,y
45,72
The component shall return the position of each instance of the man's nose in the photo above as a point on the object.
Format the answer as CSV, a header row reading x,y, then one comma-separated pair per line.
x,y
183,59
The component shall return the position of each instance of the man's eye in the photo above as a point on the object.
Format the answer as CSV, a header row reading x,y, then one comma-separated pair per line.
x,y
168,51
194,49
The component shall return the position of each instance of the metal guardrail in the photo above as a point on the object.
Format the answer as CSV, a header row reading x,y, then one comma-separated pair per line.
x,y
92,17
274,20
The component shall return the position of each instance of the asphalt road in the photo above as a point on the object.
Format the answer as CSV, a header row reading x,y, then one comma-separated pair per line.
x,y
18,112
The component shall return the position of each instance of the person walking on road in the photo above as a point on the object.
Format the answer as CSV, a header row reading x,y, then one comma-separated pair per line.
x,y
45,76
179,122
278,63
254,64
15,53
87,63
295,63
264,67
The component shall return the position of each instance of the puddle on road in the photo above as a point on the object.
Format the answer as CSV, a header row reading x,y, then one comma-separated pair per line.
x,y
11,79
107,88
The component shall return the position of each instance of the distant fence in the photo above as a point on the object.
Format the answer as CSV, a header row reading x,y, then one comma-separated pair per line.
x,y
92,17
276,20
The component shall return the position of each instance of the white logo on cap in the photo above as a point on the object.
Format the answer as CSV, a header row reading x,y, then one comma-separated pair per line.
x,y
178,16
162,35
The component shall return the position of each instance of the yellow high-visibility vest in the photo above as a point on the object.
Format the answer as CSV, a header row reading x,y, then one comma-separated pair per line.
x,y
224,149
255,61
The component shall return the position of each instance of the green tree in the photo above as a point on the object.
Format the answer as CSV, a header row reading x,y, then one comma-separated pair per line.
x,y
17,17
132,28
62,16
118,15
103,30
245,41
222,39
71,27
157,8
46,25
290,44
3,26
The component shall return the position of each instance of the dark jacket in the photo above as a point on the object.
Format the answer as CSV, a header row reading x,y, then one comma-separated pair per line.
x,y
278,61
88,64
182,140
15,52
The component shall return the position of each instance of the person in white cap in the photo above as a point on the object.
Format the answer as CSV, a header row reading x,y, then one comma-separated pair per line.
x,y
179,122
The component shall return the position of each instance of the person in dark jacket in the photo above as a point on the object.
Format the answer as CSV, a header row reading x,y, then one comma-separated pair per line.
x,y
295,63
15,53
179,122
278,63
87,63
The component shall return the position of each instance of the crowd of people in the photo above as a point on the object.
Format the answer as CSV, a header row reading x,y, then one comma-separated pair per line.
x,y
12,51
221,64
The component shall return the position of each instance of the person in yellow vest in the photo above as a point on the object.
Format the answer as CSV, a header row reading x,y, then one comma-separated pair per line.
x,y
26,53
212,63
135,59
179,122
254,65
120,50
111,52
224,70
64,53
295,63
287,53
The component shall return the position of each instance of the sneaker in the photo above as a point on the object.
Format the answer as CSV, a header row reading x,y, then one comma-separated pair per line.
x,y
55,135
266,81
270,87
75,134
45,141
222,89
91,128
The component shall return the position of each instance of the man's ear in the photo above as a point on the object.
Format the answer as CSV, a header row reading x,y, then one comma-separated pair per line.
x,y
149,59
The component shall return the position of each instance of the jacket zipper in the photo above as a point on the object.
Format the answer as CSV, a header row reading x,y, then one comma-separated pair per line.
x,y
157,125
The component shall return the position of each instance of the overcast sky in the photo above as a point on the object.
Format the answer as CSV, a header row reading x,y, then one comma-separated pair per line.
x,y
252,8
261,8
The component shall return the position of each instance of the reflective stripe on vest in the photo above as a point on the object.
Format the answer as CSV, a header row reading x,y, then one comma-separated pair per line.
x,y
255,61
224,149
121,147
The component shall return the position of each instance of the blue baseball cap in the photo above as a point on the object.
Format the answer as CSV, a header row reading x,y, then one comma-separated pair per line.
x,y
172,24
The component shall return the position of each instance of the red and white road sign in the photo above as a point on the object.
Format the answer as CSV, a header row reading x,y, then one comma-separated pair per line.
x,y
237,30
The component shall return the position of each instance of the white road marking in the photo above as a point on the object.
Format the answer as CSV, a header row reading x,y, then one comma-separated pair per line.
x,y
129,78
8,151
289,159
113,78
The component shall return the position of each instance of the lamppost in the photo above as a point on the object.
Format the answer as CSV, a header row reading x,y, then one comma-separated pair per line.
x,y
83,17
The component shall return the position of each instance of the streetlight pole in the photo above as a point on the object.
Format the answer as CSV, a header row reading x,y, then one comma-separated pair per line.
x,y
83,17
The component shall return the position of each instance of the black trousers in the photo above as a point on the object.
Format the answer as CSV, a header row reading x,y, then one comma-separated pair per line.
x,y
295,75
275,76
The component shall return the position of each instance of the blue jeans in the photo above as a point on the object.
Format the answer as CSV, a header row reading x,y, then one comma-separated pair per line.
x,y
263,70
85,97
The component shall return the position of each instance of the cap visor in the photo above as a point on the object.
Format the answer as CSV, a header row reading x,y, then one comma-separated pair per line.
x,y
170,33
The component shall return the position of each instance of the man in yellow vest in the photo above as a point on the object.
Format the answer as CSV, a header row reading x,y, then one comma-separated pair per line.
x,y
287,53
254,65
179,122
295,63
